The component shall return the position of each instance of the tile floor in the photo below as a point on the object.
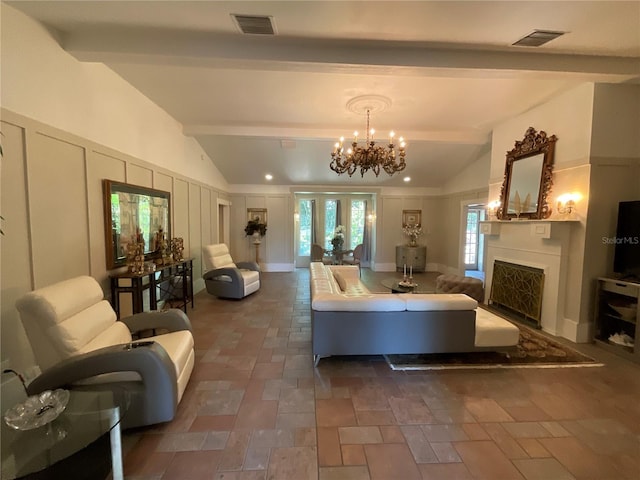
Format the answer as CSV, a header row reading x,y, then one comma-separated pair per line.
x,y
256,409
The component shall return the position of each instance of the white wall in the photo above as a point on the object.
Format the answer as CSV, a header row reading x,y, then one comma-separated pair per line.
x,y
615,177
596,156
475,176
569,117
66,126
43,82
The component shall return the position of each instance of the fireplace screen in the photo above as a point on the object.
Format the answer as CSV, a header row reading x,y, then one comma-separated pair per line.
x,y
517,288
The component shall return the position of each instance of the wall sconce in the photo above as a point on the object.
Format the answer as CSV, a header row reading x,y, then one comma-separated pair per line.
x,y
492,209
296,216
371,218
567,203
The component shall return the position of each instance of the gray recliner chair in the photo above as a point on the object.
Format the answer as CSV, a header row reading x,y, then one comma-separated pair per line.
x,y
224,278
79,344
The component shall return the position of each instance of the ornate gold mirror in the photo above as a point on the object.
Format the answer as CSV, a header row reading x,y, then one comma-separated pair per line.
x,y
527,177
130,212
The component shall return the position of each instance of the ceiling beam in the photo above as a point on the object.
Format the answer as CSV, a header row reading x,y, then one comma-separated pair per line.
x,y
465,137
205,49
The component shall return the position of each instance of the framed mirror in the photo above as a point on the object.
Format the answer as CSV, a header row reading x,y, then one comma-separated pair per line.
x,y
131,212
528,177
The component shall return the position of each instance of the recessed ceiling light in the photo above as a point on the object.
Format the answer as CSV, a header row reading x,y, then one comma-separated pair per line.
x,y
268,176
407,179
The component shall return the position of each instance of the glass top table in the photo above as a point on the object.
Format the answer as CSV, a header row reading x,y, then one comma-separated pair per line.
x,y
90,416
395,287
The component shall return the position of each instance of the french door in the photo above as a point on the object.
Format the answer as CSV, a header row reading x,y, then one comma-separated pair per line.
x,y
472,238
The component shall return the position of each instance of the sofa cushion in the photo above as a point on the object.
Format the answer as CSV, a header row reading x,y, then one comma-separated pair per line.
x,y
424,302
62,319
494,331
249,277
382,302
178,345
217,256
342,283
114,335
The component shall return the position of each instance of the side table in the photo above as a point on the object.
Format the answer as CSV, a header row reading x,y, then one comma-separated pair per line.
x,y
82,443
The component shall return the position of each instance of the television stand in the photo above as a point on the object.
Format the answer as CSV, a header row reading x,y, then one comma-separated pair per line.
x,y
617,316
633,278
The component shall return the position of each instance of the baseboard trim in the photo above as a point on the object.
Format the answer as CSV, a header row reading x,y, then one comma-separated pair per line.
x,y
277,267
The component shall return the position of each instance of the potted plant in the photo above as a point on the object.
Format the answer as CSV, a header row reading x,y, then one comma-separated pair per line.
x,y
413,232
338,238
255,228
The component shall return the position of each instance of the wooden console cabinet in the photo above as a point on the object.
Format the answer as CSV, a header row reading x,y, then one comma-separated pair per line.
x,y
411,256
618,312
169,286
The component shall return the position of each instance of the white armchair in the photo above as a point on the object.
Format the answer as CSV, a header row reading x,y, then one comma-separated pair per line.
x,y
224,278
79,343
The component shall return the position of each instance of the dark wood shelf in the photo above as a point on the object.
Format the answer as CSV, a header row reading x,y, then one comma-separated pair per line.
x,y
169,286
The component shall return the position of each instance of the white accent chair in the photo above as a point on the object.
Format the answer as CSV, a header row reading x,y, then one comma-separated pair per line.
x,y
79,343
224,278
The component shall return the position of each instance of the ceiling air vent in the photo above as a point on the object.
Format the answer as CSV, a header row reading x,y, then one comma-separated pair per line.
x,y
537,38
254,24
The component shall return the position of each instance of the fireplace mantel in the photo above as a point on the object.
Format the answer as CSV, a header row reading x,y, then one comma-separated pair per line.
x,y
537,228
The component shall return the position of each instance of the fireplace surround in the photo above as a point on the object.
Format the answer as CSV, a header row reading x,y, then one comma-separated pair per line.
x,y
540,244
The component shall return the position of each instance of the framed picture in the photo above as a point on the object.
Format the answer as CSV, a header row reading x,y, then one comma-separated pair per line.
x,y
411,217
257,214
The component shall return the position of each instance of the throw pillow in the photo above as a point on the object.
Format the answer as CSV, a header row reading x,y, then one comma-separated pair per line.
x,y
342,283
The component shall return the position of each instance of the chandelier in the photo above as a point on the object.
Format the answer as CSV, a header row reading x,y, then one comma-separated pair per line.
x,y
368,157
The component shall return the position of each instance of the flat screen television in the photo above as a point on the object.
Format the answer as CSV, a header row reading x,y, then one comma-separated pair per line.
x,y
626,260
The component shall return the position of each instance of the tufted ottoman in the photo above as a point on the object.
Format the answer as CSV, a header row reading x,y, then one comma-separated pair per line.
x,y
457,284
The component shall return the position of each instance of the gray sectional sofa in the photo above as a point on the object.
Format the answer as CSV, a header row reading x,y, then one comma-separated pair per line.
x,y
347,319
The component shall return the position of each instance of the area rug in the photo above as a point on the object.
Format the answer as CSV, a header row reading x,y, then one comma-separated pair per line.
x,y
534,350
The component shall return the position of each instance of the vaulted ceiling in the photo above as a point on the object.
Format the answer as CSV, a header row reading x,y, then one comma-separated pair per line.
x,y
276,104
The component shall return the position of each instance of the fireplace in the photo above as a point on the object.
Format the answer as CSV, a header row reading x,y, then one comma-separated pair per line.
x,y
542,245
517,291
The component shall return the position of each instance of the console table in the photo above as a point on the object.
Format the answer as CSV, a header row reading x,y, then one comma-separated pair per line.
x,y
168,285
415,257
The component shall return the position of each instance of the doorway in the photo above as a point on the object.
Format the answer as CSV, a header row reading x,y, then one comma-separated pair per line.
x,y
473,243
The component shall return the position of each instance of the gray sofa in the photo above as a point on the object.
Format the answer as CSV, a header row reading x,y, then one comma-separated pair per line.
x,y
347,319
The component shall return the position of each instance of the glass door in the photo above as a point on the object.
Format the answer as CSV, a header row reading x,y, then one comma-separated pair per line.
x,y
303,231
472,238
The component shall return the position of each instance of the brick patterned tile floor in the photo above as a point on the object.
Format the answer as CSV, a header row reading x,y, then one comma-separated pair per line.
x,y
256,409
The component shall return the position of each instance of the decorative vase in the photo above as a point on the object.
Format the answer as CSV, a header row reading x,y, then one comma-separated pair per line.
x,y
256,238
413,241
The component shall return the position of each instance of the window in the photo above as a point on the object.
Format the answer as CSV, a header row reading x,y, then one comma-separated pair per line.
x,y
330,209
471,239
304,243
356,230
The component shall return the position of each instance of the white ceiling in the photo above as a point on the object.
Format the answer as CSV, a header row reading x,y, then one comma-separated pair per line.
x,y
447,67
